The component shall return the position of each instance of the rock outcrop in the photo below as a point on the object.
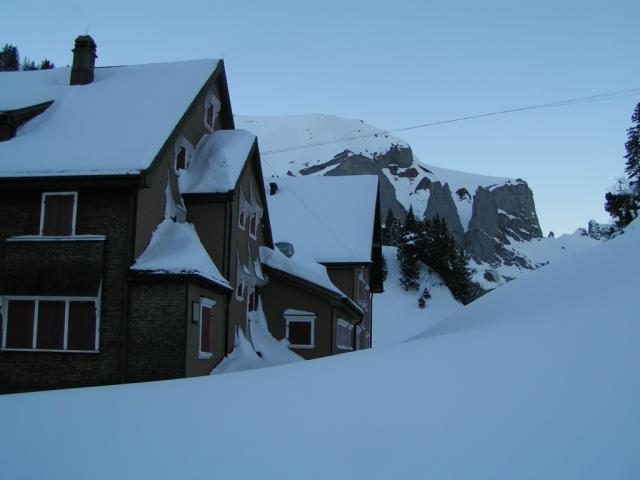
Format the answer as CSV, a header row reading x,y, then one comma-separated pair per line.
x,y
500,215
441,204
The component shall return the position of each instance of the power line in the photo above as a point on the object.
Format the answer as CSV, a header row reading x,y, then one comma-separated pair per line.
x,y
560,103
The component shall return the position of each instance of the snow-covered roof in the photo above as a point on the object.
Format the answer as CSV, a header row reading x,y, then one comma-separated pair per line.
x,y
330,218
115,125
301,267
217,162
176,248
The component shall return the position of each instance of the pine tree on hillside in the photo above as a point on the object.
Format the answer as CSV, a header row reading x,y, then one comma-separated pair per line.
x,y
407,252
28,64
9,58
46,65
389,229
632,148
624,203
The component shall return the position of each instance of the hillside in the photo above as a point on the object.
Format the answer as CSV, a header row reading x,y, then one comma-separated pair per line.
x,y
494,218
534,380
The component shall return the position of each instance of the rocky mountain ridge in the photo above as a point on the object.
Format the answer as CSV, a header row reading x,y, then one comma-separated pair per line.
x,y
492,217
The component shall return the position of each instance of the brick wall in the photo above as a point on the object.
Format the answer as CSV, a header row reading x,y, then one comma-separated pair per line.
x,y
100,211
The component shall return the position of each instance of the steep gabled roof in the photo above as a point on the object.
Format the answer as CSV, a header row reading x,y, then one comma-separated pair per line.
x,y
331,219
115,125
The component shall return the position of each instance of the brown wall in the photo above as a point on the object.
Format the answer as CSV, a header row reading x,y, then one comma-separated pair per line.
x,y
203,366
102,211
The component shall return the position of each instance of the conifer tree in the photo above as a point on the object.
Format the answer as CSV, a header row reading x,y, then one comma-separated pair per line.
x,y
46,65
9,58
28,64
624,203
408,254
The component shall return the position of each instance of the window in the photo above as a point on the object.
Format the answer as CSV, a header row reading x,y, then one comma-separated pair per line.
x,y
209,116
344,335
300,328
206,328
181,159
50,323
240,289
242,214
252,225
58,214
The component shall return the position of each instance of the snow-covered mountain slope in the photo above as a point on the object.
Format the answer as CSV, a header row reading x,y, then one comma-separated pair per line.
x,y
493,217
396,315
533,380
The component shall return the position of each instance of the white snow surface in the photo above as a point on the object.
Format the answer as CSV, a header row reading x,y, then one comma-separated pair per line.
x,y
176,248
217,162
534,380
244,356
138,105
299,266
329,218
396,315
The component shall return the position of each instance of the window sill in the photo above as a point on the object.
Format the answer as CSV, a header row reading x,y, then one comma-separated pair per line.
x,y
46,350
205,356
306,347
55,238
347,349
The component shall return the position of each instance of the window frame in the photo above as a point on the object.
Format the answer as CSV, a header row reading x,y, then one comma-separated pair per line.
x,y
341,322
4,302
210,126
73,215
308,317
205,303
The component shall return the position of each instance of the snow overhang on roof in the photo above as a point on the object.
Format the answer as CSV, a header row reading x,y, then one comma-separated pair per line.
x,y
331,219
175,248
217,162
115,125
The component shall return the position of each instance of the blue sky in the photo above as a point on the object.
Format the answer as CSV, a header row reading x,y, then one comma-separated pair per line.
x,y
396,64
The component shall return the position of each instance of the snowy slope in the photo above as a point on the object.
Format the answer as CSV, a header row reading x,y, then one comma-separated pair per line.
x,y
534,380
396,315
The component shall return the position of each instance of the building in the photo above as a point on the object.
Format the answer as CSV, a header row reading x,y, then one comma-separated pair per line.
x,y
133,218
331,226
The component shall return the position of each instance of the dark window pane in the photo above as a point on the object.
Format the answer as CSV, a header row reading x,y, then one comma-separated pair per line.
x,y
82,326
205,330
300,333
181,159
210,115
50,325
20,324
58,215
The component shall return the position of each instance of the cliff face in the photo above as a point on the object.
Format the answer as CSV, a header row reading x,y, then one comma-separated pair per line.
x,y
500,216
490,216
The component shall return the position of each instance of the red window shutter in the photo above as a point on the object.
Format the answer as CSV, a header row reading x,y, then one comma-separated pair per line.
x,y
50,333
181,160
82,326
58,215
205,330
20,324
210,115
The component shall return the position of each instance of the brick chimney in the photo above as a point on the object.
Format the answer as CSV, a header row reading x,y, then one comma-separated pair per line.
x,y
84,59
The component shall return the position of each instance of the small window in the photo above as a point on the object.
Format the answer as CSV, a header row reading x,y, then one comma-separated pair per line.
x,y
51,323
206,328
181,159
252,225
58,214
210,115
240,289
300,328
344,335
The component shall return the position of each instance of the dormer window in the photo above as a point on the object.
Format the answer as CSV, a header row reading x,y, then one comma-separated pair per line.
x,y
58,214
181,159
182,152
211,109
252,224
209,116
